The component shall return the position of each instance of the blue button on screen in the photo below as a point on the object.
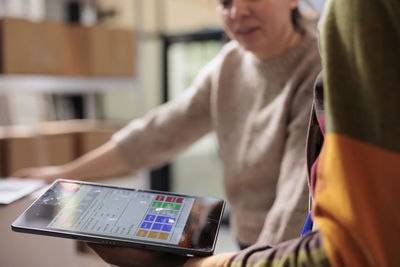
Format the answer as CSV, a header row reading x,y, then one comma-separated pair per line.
x,y
170,220
161,219
146,225
150,217
156,226
167,228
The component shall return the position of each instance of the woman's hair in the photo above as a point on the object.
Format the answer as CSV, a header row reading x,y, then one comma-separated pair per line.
x,y
307,19
298,20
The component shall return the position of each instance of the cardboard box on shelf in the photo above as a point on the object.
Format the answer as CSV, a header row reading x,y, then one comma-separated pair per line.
x,y
47,54
77,56
50,143
57,49
15,36
122,53
91,139
111,51
89,134
100,50
24,148
30,47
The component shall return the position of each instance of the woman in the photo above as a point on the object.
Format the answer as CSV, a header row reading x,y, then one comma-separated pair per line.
x,y
256,94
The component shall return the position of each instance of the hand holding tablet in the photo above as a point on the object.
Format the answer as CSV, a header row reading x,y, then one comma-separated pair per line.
x,y
126,256
161,221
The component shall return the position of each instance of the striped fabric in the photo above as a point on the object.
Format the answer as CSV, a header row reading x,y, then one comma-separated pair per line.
x,y
357,194
291,253
357,189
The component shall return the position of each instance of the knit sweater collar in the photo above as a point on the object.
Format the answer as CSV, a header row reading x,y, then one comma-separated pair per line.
x,y
285,62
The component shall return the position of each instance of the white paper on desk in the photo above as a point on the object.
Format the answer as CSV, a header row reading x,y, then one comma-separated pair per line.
x,y
12,189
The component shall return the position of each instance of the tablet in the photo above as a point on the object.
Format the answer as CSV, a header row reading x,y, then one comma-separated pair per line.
x,y
154,220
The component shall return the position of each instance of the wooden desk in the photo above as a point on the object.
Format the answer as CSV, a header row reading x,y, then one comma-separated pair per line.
x,y
21,250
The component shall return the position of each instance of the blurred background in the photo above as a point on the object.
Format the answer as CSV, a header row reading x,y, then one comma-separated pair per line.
x,y
103,63
73,72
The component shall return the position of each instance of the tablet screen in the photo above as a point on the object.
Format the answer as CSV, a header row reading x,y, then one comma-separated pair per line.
x,y
122,213
123,216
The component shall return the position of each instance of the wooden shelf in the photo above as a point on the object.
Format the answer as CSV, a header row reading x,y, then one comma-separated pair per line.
x,y
64,84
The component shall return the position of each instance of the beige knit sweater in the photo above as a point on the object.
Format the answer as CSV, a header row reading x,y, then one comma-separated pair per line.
x,y
259,111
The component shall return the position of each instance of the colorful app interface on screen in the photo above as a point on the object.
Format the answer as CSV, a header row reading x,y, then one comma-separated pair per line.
x,y
122,213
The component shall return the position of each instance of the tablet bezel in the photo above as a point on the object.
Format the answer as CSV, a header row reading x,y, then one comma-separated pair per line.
x,y
213,221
